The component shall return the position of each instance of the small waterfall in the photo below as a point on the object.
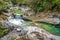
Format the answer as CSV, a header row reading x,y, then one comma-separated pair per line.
x,y
16,20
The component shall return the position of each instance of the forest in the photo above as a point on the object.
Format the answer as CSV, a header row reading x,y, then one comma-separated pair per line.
x,y
36,5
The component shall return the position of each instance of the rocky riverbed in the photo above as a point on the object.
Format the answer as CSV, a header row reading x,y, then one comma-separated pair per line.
x,y
35,33
27,30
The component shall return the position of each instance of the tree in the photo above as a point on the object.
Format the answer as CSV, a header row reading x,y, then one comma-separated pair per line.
x,y
3,4
38,5
42,5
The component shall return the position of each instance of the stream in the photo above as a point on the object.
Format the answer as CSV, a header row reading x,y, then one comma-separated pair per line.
x,y
26,25
48,27
17,20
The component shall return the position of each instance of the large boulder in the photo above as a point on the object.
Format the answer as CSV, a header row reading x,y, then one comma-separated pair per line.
x,y
35,36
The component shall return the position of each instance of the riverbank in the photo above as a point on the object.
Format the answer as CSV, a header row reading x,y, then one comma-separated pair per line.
x,y
30,28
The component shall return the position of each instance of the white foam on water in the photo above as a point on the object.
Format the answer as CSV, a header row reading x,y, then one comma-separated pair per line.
x,y
15,21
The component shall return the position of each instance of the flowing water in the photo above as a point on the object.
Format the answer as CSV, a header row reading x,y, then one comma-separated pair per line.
x,y
50,28
17,20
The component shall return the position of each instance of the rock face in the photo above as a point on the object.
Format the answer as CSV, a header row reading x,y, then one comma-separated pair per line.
x,y
35,33
50,17
9,25
51,20
36,36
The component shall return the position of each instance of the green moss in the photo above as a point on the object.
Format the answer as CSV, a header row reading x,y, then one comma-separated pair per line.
x,y
18,11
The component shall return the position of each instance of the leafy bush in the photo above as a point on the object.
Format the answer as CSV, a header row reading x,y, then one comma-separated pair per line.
x,y
18,1
36,5
41,5
3,30
3,4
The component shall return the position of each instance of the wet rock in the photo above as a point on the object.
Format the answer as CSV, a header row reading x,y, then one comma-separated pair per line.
x,y
54,20
9,25
34,33
34,36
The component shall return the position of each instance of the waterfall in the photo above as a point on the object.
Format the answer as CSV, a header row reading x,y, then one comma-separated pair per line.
x,y
16,20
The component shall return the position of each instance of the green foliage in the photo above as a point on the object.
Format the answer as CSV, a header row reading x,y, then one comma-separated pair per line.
x,y
36,5
16,11
3,4
41,5
18,1
3,30
56,4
